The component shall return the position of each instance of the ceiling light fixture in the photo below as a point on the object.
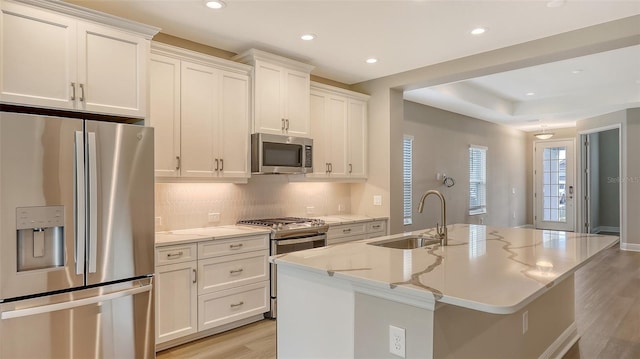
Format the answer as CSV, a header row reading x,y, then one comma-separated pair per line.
x,y
372,60
308,37
544,135
530,94
577,71
215,4
478,31
556,3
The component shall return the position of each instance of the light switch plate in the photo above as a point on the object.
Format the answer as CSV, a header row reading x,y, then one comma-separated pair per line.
x,y
377,200
214,217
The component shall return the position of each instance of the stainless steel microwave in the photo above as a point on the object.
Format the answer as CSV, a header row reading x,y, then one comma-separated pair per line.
x,y
275,154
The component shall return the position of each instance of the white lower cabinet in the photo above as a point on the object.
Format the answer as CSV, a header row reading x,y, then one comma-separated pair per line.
x,y
176,301
227,306
343,233
203,286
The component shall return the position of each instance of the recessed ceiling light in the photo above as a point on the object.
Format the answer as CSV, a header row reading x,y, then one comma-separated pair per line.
x,y
530,93
308,37
577,71
478,31
215,4
372,60
555,3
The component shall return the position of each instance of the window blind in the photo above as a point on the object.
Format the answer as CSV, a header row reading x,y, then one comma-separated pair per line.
x,y
407,178
477,179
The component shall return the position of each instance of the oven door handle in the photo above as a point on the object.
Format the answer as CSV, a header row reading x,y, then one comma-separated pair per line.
x,y
284,242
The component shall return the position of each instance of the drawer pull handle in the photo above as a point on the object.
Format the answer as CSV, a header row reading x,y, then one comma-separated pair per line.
x,y
376,226
174,255
346,230
235,246
236,271
233,305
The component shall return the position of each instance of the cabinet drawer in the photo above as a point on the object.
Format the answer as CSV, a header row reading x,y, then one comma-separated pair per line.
x,y
231,271
176,254
331,241
227,306
376,229
346,230
223,247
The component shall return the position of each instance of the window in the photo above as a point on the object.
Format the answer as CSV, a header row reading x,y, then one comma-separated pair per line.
x,y
407,177
477,179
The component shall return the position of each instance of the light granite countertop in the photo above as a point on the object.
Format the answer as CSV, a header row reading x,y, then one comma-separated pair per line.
x,y
339,219
491,269
206,233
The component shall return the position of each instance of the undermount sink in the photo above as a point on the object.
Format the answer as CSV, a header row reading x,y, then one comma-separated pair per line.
x,y
407,242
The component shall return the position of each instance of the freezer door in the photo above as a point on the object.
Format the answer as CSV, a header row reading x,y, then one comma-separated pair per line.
x,y
120,205
107,322
38,168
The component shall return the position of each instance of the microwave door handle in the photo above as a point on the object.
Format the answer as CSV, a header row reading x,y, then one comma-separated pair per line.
x,y
80,203
93,203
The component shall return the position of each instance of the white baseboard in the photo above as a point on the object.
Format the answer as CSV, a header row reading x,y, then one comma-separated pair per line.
x,y
634,247
562,344
526,226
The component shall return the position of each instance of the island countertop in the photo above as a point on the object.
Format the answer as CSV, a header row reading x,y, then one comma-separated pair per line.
x,y
491,269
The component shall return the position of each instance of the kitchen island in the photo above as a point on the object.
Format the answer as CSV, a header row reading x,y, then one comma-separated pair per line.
x,y
492,292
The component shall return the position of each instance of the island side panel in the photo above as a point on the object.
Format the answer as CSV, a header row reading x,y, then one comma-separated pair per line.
x,y
466,333
374,315
315,315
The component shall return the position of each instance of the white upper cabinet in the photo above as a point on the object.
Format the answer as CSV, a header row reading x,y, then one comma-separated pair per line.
x,y
281,93
53,57
199,106
339,132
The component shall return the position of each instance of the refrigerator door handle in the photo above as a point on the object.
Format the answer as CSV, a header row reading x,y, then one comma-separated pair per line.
x,y
93,202
80,203
74,304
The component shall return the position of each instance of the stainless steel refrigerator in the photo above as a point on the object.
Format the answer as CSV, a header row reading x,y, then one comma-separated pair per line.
x,y
76,238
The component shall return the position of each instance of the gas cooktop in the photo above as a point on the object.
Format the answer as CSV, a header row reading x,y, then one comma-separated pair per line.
x,y
292,226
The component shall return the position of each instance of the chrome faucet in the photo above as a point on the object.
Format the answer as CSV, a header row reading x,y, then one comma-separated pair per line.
x,y
442,231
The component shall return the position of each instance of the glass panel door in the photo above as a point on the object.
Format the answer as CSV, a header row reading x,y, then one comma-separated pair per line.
x,y
554,185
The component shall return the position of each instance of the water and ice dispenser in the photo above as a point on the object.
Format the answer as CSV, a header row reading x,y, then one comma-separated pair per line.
x,y
40,237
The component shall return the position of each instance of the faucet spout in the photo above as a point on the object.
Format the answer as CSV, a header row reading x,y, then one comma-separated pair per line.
x,y
441,230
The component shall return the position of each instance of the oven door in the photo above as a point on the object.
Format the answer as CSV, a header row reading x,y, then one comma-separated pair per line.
x,y
288,245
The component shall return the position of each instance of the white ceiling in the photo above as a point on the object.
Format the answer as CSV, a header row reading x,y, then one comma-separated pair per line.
x,y
409,34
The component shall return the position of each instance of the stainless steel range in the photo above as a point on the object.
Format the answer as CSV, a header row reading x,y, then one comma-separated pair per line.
x,y
290,234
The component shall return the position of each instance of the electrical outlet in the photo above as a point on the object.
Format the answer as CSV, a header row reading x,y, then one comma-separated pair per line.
x,y
311,209
214,217
525,322
377,200
396,341
158,221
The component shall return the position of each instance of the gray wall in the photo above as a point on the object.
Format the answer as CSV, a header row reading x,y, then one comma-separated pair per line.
x,y
441,144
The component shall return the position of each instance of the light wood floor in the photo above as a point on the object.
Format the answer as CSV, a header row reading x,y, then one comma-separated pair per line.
x,y
607,316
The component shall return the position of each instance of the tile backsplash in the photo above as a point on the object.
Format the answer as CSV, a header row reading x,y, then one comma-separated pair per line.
x,y
187,205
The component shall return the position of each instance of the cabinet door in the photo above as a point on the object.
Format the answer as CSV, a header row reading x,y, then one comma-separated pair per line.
x,y
357,139
164,114
296,102
37,57
269,96
176,301
112,70
319,132
337,139
199,115
233,138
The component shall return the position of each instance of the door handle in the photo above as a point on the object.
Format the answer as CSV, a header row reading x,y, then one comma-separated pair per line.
x,y
177,163
570,192
93,202
80,235
81,92
221,164
73,91
217,165
350,168
287,127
